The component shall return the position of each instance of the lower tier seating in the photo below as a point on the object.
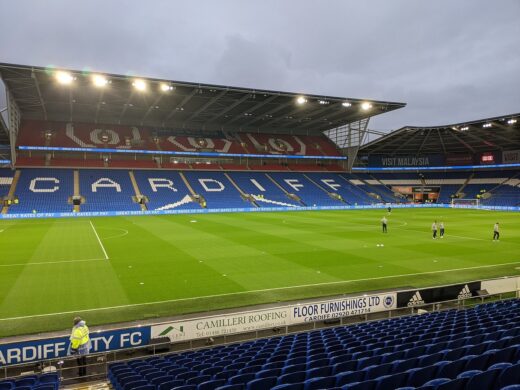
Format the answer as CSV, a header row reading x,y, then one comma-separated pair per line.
x,y
48,381
470,349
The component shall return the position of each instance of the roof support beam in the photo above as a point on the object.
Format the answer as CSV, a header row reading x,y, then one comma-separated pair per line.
x,y
37,85
252,109
151,108
480,139
273,111
229,108
452,133
186,99
212,101
402,145
424,141
441,140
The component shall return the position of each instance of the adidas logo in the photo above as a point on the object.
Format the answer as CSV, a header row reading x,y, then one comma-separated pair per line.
x,y
416,300
465,293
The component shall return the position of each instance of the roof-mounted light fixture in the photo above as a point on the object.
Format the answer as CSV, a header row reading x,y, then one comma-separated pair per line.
x,y
487,125
139,84
99,80
301,100
165,87
346,104
366,106
64,78
511,121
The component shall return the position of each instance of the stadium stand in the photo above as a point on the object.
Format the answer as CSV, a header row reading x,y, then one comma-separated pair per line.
x,y
62,134
499,188
217,190
336,183
268,194
107,190
374,186
471,349
6,178
300,185
44,190
165,190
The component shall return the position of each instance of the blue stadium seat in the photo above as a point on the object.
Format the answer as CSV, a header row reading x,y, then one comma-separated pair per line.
x,y
261,383
510,376
211,384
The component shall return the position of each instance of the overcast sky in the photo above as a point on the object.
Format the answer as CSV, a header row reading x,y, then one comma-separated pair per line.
x,y
450,60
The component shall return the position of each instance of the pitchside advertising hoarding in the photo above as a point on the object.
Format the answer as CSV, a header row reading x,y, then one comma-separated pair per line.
x,y
44,349
379,160
272,318
421,297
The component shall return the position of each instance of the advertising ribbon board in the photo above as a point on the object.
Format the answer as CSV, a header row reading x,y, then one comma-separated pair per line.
x,y
276,317
222,325
345,307
43,349
420,297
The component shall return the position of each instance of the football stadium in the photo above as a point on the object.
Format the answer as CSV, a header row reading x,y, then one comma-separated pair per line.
x,y
219,237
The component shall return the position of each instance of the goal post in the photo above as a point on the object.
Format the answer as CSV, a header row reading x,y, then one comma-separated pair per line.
x,y
465,202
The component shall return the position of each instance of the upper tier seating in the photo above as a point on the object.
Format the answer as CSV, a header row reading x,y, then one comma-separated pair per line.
x,y
39,133
259,185
44,190
218,191
472,349
6,178
165,190
106,190
309,193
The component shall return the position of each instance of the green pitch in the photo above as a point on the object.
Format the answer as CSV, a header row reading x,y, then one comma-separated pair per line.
x,y
128,268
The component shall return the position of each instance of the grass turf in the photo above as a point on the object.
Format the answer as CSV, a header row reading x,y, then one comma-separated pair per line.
x,y
158,266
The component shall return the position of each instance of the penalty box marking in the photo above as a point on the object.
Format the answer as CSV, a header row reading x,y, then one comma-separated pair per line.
x,y
256,291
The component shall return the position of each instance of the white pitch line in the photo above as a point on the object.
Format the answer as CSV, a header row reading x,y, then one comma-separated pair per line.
x,y
99,240
49,262
255,291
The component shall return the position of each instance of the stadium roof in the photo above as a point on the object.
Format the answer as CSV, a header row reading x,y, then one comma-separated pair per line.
x,y
484,135
68,95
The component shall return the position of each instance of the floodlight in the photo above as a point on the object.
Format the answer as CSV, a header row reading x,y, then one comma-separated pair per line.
x,y
486,125
139,84
301,100
99,80
511,121
366,106
323,102
346,104
64,77
166,87
464,128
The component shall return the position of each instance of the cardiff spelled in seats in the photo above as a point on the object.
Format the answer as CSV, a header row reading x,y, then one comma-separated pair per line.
x,y
107,190
217,190
165,190
44,190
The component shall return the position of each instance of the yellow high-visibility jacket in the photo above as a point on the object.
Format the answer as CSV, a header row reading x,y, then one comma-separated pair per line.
x,y
79,339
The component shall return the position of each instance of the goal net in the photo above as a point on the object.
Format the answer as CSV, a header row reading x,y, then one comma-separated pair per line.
x,y
465,202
